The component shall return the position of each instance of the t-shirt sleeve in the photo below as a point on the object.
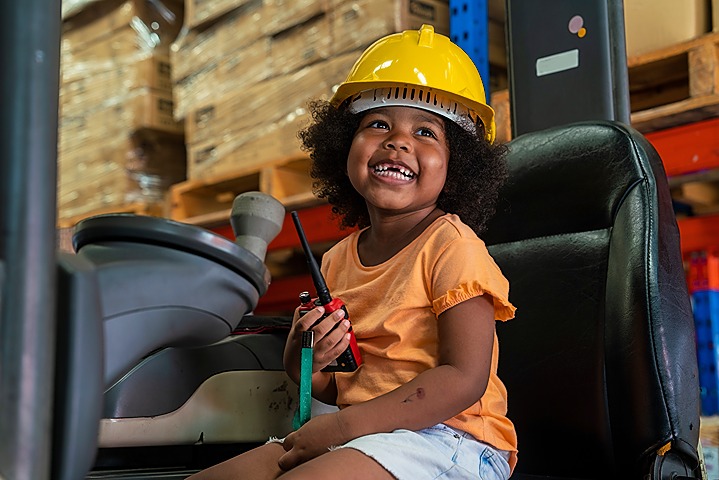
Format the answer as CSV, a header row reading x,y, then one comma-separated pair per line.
x,y
465,269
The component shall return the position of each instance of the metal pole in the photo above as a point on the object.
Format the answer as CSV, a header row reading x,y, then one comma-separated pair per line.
x,y
29,73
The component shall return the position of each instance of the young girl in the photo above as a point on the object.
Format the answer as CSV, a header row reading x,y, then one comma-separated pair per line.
x,y
404,151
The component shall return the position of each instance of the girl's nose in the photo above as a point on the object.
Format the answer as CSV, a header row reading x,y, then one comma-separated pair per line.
x,y
398,141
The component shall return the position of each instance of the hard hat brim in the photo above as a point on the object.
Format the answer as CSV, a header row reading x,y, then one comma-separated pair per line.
x,y
484,112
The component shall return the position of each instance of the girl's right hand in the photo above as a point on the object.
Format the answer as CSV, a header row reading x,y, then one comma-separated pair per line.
x,y
331,338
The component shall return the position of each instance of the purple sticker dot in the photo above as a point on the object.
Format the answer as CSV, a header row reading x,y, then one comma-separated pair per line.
x,y
575,23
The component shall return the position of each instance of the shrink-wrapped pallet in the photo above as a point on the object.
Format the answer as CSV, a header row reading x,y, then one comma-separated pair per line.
x,y
118,140
243,80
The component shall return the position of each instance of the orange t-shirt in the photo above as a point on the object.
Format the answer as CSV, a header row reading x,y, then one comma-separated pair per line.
x,y
394,309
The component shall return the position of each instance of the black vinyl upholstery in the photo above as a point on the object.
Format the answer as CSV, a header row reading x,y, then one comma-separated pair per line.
x,y
600,361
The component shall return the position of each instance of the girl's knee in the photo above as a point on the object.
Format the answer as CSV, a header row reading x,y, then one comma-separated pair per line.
x,y
257,464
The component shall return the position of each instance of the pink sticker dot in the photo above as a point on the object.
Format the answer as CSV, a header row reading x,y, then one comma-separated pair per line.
x,y
575,23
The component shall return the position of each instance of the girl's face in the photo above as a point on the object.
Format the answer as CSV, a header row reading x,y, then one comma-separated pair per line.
x,y
398,159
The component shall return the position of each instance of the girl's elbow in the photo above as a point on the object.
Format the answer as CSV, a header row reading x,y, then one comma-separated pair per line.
x,y
470,385
473,390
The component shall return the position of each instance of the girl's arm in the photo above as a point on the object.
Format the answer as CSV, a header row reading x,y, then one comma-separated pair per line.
x,y
466,337
329,343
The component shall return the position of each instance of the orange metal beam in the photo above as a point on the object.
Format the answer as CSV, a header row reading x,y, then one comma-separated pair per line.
x,y
698,233
688,148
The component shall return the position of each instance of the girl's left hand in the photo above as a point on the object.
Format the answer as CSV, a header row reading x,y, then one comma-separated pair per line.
x,y
312,440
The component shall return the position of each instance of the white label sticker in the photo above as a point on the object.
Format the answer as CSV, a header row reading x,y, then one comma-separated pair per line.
x,y
558,62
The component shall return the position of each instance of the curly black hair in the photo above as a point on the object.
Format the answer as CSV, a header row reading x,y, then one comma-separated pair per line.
x,y
475,173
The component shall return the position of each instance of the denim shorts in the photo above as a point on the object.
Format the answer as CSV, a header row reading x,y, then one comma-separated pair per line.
x,y
439,452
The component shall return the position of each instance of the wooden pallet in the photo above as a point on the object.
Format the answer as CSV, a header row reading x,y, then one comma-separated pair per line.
x,y
675,85
697,192
208,202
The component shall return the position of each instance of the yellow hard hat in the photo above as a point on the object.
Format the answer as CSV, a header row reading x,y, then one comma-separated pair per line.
x,y
418,68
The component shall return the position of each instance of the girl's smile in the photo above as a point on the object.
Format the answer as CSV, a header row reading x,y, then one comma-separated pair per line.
x,y
398,159
395,171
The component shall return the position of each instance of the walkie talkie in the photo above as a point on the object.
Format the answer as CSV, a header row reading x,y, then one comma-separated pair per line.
x,y
350,359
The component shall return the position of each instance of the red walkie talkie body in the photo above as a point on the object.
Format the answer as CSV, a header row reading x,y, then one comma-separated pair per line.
x,y
350,359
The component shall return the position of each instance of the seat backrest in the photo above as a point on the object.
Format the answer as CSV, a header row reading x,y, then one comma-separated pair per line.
x,y
600,361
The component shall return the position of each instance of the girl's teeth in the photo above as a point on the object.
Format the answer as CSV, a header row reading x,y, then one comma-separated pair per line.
x,y
399,172
396,175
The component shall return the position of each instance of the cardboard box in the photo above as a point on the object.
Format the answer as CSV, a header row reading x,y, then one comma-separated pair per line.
x,y
301,45
201,12
248,66
195,50
242,112
192,52
144,152
195,90
210,159
279,15
85,85
355,24
118,116
118,170
238,129
715,15
121,45
154,110
653,24
156,22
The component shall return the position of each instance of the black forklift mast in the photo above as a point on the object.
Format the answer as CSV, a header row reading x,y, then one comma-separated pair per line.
x,y
29,91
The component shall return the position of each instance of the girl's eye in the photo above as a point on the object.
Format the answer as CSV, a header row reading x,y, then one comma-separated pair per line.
x,y
378,124
426,132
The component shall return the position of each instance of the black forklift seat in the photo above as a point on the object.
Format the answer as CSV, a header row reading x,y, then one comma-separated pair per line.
x,y
600,361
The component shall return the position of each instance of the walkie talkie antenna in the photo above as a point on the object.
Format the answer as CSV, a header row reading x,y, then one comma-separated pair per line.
x,y
323,293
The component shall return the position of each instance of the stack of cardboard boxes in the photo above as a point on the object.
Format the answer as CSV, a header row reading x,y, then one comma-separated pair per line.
x,y
118,140
244,70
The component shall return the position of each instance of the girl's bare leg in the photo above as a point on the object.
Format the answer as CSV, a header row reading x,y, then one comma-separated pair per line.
x,y
344,463
257,464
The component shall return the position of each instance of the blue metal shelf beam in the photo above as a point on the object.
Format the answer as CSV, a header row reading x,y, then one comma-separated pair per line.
x,y
468,26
